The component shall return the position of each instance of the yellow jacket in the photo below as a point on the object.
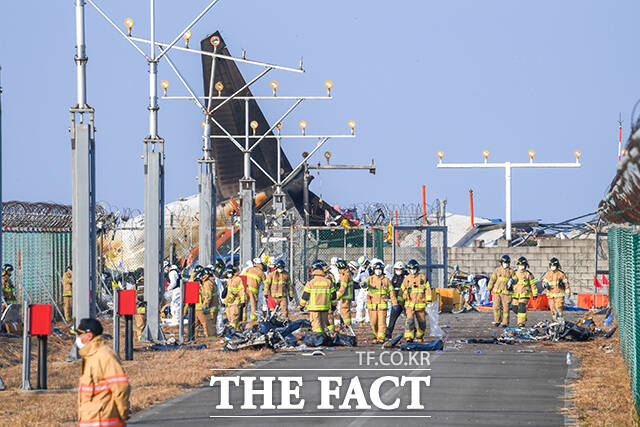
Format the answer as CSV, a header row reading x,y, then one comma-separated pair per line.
x,y
319,293
8,291
524,284
416,291
103,388
499,279
208,294
235,291
255,276
558,285
278,284
67,284
345,292
379,291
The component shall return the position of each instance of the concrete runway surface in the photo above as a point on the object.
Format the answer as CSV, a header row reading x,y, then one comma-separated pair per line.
x,y
498,387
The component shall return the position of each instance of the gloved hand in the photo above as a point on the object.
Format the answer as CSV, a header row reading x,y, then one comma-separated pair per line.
x,y
396,308
510,285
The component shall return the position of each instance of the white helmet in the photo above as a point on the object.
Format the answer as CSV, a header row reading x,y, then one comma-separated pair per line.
x,y
173,267
399,265
363,260
334,260
257,261
375,261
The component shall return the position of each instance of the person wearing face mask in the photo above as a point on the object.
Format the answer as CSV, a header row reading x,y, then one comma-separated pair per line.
x,y
399,272
319,297
523,284
360,288
235,298
416,293
557,286
379,292
103,387
500,294
278,286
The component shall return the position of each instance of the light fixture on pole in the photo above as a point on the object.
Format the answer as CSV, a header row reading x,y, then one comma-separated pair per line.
x,y
507,166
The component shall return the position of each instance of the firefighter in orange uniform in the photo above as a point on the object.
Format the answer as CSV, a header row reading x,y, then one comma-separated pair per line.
x,y
557,286
67,293
416,293
278,286
235,297
319,296
255,276
524,286
379,291
103,388
207,306
345,291
500,295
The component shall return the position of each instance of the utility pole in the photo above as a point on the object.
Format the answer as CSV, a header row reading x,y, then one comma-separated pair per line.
x,y
507,166
153,170
83,200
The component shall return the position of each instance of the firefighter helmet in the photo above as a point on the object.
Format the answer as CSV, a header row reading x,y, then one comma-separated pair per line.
x,y
318,265
505,259
523,261
554,262
7,268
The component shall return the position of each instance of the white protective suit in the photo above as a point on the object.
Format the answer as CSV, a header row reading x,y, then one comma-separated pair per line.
x,y
362,314
176,295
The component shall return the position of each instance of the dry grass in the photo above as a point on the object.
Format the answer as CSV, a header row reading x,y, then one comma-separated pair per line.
x,y
601,395
154,377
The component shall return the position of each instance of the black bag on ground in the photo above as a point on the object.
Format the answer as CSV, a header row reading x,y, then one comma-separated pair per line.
x,y
418,346
316,339
345,340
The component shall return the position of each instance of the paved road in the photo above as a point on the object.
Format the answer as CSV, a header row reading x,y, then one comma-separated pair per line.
x,y
499,386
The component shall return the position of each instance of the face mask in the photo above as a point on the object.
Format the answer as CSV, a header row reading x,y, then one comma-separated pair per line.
x,y
398,272
521,267
280,270
414,271
79,343
229,275
505,265
554,268
378,272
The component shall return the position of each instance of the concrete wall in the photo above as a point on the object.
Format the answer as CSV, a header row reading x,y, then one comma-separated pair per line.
x,y
577,258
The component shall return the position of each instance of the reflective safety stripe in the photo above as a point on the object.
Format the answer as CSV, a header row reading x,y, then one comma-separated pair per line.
x,y
102,422
94,388
520,315
381,306
119,379
254,276
67,294
418,306
558,295
505,292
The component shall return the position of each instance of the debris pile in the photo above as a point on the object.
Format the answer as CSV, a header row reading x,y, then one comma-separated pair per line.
x,y
582,330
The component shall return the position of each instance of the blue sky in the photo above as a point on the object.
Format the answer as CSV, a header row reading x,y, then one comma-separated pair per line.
x,y
417,76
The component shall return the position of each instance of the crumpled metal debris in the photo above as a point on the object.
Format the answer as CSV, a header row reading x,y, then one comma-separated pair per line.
x,y
583,330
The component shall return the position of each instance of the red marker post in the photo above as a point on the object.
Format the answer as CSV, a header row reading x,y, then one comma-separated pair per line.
x,y
191,297
127,308
40,320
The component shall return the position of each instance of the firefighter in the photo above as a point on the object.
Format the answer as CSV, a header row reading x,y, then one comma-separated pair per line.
x,y
140,317
319,296
67,293
345,291
416,293
8,290
207,306
235,298
399,272
557,286
278,286
501,296
255,277
523,285
103,388
379,292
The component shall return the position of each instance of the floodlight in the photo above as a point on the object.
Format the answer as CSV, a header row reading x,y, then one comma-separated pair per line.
x,y
578,154
352,125
303,126
274,85
328,84
531,154
129,24
187,36
327,155
215,41
219,86
165,85
440,155
253,125
485,154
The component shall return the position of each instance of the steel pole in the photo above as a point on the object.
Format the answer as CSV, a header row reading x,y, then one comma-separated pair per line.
x,y
247,189
154,202
83,186
278,200
507,179
1,256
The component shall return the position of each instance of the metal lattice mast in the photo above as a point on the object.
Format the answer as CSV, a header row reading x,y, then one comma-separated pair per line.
x,y
507,166
84,203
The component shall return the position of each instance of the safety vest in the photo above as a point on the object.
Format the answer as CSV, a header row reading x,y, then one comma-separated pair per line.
x,y
379,291
558,285
235,291
278,284
208,295
255,276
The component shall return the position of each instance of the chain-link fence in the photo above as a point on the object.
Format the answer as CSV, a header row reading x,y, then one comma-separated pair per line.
x,y
624,295
428,246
